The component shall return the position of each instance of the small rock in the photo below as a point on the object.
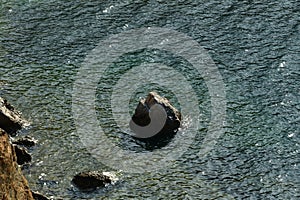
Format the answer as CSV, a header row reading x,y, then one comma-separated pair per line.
x,y
25,141
39,196
22,155
91,180
10,120
155,117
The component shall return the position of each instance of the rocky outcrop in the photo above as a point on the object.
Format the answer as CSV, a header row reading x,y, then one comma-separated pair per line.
x,y
91,180
26,141
155,118
13,184
22,155
10,119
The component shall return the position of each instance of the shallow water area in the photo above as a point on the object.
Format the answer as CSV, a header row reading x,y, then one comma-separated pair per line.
x,y
255,47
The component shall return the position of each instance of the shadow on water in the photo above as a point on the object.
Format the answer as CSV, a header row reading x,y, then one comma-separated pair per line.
x,y
156,142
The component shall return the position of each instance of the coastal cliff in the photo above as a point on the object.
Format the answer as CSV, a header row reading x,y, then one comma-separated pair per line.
x,y
13,184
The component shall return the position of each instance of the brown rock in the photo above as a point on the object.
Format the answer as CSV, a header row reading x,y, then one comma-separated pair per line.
x,y
10,119
155,117
13,184
91,180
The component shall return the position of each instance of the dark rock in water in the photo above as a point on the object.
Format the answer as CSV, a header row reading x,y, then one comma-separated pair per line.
x,y
25,141
155,118
91,180
10,119
22,155
39,196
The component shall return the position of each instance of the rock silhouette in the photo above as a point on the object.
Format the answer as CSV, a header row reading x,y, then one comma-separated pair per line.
x,y
10,119
155,119
22,155
26,141
91,180
39,196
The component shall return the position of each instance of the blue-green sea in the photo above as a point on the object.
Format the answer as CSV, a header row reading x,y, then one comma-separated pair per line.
x,y
255,48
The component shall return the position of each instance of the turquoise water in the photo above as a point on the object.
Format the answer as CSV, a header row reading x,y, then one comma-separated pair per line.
x,y
255,46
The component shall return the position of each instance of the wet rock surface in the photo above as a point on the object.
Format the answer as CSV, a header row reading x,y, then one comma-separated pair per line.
x,y
91,180
10,119
155,118
39,196
26,141
22,155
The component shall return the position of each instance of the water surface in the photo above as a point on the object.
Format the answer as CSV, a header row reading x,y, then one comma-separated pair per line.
x,y
254,44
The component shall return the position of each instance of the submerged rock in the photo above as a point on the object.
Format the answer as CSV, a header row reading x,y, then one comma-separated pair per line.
x,y
91,180
27,141
22,155
13,184
155,118
39,196
10,120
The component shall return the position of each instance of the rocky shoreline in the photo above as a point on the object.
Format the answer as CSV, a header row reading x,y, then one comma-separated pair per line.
x,y
13,185
14,154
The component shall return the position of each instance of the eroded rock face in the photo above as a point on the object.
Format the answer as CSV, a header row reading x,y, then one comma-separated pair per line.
x,y
10,119
91,180
155,117
13,184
